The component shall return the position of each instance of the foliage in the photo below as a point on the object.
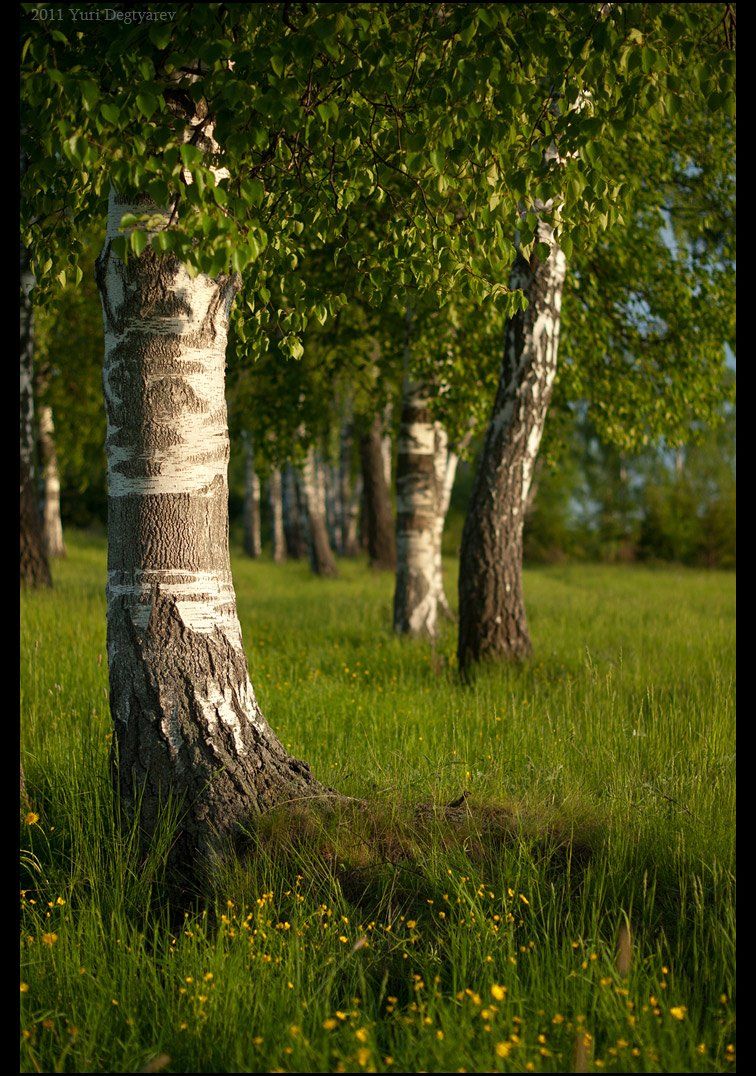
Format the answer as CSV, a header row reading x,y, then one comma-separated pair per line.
x,y
68,363
594,502
411,110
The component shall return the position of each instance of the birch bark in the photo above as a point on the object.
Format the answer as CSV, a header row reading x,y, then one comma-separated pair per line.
x,y
185,714
492,619
252,534
52,527
321,556
416,592
34,566
445,466
276,517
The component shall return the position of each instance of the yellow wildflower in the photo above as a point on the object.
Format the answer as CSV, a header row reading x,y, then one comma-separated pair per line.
x,y
503,1049
49,939
31,818
678,1011
498,992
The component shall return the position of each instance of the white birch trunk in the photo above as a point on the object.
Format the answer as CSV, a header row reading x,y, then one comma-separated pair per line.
x,y
386,446
321,557
416,593
445,465
252,532
52,526
278,539
492,619
185,714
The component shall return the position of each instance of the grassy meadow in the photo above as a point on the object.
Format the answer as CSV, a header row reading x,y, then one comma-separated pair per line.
x,y
600,783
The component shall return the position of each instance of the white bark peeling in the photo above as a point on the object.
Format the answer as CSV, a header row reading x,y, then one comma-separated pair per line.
x,y
204,600
417,589
200,455
224,706
418,438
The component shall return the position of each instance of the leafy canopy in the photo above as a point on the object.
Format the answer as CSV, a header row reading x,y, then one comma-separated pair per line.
x,y
433,121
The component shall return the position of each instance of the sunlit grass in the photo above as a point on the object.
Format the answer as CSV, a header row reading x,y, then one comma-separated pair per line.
x,y
600,783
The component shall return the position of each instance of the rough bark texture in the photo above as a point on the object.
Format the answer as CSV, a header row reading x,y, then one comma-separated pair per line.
x,y
278,540
34,566
185,714
52,527
321,556
295,525
417,496
378,517
492,621
252,534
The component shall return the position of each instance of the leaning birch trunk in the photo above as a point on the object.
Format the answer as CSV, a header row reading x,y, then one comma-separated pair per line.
x,y
186,719
445,464
416,593
293,516
252,535
492,620
278,539
321,557
34,566
378,517
52,527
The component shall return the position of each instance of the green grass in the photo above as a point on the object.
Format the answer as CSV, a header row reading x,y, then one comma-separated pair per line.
x,y
611,756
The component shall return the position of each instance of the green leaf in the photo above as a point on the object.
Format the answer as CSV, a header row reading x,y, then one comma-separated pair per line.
x,y
111,112
253,191
159,35
90,93
138,242
190,155
147,103
468,33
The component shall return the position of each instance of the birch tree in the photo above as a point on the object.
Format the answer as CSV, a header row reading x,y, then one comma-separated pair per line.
x,y
230,141
52,526
278,539
667,346
252,532
417,494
